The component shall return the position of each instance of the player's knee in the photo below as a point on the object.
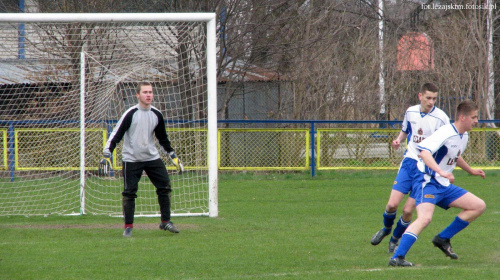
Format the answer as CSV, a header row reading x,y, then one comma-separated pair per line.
x,y
407,214
425,221
129,195
391,207
481,206
163,191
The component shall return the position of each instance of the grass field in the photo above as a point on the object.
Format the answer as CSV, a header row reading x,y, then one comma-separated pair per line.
x,y
270,226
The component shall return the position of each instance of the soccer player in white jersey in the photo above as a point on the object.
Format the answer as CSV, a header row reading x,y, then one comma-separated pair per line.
x,y
420,121
439,154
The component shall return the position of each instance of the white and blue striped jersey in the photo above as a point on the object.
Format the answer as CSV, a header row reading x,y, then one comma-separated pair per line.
x,y
446,145
419,125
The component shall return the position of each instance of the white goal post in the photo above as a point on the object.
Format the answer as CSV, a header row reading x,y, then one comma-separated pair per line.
x,y
65,80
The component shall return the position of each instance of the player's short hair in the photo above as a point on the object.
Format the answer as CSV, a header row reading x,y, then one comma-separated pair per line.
x,y
139,86
465,108
429,87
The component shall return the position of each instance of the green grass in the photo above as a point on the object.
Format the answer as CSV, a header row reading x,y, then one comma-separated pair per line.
x,y
270,226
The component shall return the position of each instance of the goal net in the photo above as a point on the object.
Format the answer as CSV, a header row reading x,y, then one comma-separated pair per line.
x,y
66,79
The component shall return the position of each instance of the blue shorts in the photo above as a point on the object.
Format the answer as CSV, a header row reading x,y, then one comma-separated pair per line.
x,y
408,171
430,191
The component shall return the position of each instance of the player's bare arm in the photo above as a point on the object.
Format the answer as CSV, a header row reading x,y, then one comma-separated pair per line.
x,y
465,166
397,142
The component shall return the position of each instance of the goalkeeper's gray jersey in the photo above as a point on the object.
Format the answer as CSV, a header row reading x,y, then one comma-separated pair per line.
x,y
137,127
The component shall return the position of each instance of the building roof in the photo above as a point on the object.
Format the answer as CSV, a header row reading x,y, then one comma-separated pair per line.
x,y
33,71
239,71
26,71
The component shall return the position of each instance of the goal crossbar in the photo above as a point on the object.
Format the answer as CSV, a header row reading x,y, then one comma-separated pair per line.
x,y
107,17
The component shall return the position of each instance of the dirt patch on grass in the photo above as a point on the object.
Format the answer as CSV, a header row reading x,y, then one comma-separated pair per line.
x,y
98,226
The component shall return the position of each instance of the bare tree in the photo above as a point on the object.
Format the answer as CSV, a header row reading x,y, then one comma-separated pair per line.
x,y
459,43
327,52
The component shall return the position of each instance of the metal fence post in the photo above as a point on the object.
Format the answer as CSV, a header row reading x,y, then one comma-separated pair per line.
x,y
313,158
109,130
11,144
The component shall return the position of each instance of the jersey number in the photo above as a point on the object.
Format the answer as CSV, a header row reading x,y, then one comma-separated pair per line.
x,y
417,139
452,161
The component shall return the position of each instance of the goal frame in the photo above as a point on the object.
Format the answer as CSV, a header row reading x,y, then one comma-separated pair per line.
x,y
208,18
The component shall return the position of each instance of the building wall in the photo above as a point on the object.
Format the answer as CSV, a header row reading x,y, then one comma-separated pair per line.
x,y
255,100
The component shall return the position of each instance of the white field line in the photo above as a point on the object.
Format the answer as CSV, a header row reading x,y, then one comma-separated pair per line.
x,y
310,273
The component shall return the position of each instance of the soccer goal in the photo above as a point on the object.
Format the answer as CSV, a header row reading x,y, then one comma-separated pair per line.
x,y
65,80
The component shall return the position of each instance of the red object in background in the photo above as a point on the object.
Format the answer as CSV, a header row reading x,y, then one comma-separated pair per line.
x,y
415,52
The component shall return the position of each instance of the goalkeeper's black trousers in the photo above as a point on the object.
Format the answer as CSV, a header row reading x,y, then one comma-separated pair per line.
x,y
157,174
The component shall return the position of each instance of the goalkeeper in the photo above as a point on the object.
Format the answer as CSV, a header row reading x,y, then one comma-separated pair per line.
x,y
137,126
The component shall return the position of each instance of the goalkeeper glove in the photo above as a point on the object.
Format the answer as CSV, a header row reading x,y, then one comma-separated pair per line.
x,y
176,161
105,165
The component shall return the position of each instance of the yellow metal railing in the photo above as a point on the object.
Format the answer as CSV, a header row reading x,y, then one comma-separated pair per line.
x,y
3,141
61,148
263,149
239,149
190,144
357,148
371,149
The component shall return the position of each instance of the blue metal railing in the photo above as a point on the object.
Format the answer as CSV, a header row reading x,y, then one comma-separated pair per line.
x,y
312,130
11,124
384,124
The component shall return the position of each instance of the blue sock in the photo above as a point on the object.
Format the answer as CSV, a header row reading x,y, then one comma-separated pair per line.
x,y
401,226
407,241
455,226
389,218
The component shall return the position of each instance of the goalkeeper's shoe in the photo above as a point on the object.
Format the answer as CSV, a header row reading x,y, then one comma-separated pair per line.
x,y
399,261
379,235
445,246
392,246
169,226
127,232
